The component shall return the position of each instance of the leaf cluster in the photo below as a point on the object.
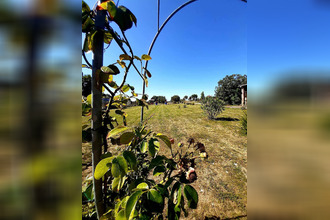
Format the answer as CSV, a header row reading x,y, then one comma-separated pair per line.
x,y
212,106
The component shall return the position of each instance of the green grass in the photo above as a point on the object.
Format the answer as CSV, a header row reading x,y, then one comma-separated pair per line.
x,y
222,178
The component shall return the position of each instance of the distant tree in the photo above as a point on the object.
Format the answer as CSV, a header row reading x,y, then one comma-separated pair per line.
x,y
185,97
228,88
202,96
193,97
159,99
175,98
86,85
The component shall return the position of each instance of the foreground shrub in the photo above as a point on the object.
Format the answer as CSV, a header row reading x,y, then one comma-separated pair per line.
x,y
212,106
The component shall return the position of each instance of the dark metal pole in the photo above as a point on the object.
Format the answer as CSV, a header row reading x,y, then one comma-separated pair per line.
x,y
97,108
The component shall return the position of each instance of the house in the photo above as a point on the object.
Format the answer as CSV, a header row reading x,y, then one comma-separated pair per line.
x,y
244,94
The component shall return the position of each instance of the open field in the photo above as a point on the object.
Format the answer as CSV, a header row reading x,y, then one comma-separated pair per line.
x,y
222,178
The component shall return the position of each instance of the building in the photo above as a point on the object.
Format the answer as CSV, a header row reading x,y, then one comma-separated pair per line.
x,y
243,94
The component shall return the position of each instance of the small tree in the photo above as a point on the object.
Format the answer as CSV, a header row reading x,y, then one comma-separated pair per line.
x,y
185,97
202,96
175,98
212,106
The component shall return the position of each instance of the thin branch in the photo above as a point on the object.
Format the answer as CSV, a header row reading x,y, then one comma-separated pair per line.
x,y
153,42
108,89
122,48
85,58
122,84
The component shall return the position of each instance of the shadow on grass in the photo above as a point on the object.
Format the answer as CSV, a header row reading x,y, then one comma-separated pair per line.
x,y
218,218
226,119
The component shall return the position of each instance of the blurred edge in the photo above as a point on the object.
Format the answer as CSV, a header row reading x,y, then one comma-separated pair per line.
x,y
40,111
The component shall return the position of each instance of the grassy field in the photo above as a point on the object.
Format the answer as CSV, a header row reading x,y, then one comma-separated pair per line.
x,y
222,178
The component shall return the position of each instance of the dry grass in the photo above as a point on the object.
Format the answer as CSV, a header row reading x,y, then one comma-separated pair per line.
x,y
222,178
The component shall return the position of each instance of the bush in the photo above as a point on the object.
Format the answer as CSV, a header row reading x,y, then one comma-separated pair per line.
x,y
212,106
184,106
244,122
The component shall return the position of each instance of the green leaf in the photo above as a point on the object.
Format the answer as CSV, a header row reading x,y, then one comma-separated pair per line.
x,y
122,64
112,9
124,18
133,18
159,170
130,158
145,80
113,84
122,113
121,215
148,73
145,57
131,203
88,193
144,146
143,186
85,7
155,196
138,58
191,195
111,69
102,167
178,198
164,139
125,57
116,131
127,137
107,37
158,160
87,25
118,183
125,88
153,146
119,166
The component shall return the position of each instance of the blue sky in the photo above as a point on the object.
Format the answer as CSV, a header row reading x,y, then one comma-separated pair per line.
x,y
209,39
286,37
200,45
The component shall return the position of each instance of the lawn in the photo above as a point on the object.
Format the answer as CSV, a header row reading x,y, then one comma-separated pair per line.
x,y
222,178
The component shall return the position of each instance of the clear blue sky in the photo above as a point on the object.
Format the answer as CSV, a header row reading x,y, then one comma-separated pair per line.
x,y
286,37
201,44
209,39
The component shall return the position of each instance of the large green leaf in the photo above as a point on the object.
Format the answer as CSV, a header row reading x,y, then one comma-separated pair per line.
x,y
126,138
125,57
124,18
119,166
116,131
130,158
102,167
159,170
153,147
191,195
165,139
118,183
131,203
142,186
158,160
155,196
121,215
